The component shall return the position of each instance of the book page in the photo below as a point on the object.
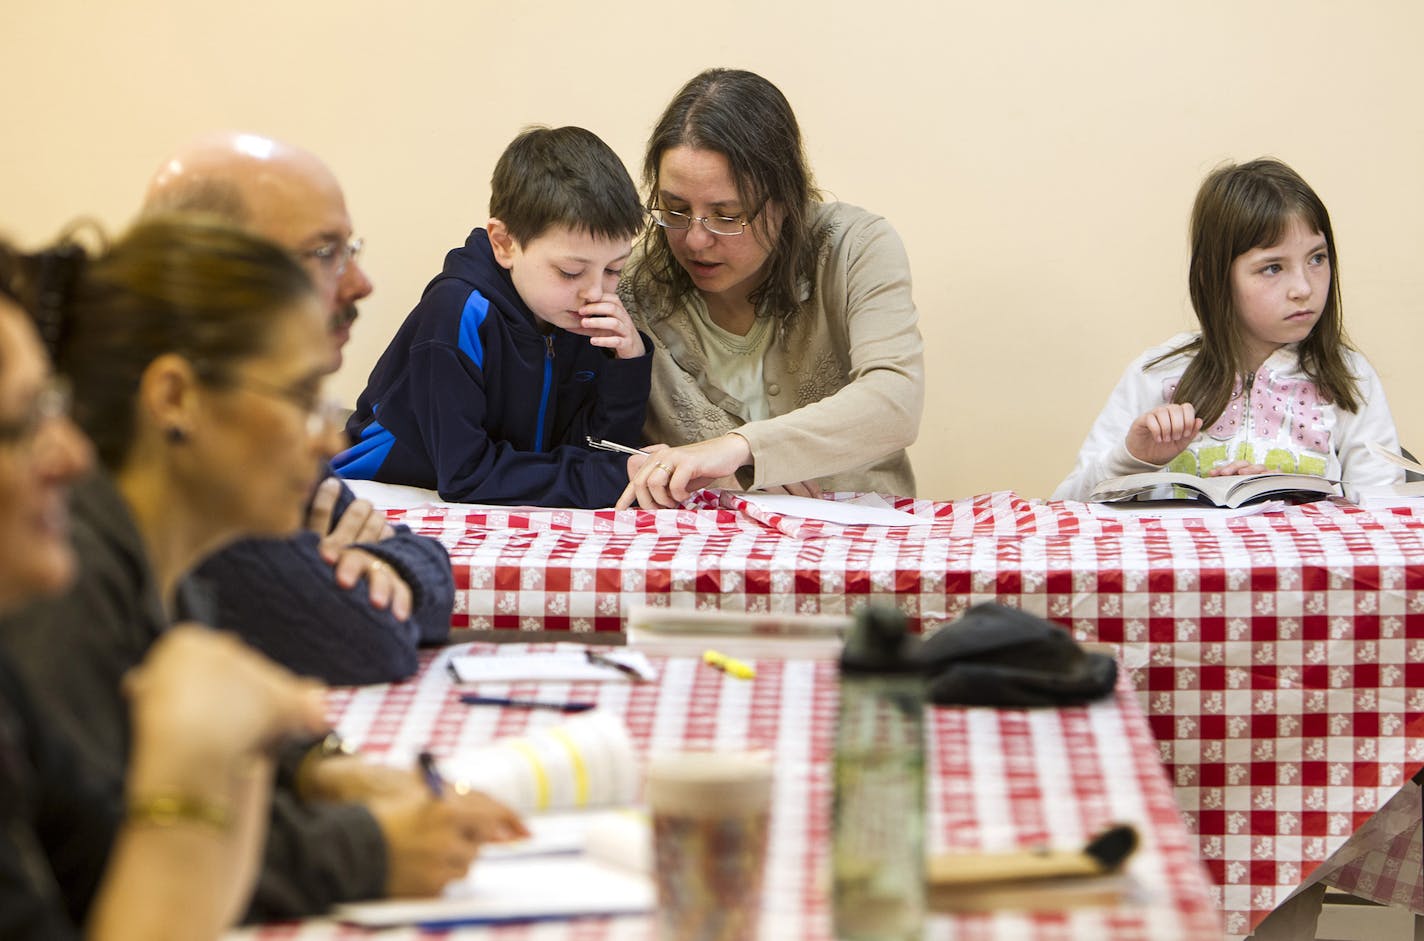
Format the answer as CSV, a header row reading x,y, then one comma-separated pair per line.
x,y
512,890
1230,491
1259,485
601,863
1398,460
570,666
1160,484
869,510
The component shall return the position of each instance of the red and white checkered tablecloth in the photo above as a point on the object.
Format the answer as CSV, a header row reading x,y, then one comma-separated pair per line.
x,y
1280,657
998,780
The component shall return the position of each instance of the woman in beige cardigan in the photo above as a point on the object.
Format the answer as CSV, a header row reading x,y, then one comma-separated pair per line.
x,y
786,348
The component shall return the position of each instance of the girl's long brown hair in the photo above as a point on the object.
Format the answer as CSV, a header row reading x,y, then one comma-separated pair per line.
x,y
1238,208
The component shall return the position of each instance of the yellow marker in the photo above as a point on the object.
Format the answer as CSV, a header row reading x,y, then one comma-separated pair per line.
x,y
729,666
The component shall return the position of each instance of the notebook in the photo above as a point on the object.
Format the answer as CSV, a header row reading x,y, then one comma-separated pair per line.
x,y
573,866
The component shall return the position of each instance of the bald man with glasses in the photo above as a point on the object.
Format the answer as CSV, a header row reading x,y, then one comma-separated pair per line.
x,y
350,599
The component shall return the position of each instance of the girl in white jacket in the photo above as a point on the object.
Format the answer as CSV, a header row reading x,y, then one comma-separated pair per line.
x,y
1270,383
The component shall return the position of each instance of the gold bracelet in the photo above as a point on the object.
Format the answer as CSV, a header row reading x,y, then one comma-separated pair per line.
x,y
166,810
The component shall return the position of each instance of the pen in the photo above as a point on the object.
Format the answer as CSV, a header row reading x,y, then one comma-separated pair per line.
x,y
728,666
431,774
603,660
600,445
472,699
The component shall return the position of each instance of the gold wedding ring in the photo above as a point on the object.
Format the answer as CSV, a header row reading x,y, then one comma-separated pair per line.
x,y
665,467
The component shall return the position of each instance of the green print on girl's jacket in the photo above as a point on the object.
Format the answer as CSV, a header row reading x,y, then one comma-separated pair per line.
x,y
1200,460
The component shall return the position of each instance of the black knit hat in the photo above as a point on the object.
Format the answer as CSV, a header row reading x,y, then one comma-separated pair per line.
x,y
999,656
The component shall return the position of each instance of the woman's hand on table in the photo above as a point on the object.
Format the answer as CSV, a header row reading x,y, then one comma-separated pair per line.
x,y
352,779
431,842
667,476
361,522
386,590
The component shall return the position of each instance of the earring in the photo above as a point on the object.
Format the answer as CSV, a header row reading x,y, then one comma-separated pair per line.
x,y
175,435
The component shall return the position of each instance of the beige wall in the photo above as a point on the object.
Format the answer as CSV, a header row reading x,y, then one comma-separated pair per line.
x,y
1039,158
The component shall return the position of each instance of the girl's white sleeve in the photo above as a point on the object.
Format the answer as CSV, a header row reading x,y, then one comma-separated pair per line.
x,y
1104,453
1356,430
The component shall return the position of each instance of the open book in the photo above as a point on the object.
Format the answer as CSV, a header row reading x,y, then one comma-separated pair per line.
x,y
1381,496
1219,491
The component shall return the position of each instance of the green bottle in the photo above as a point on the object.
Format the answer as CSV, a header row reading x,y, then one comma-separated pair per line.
x,y
878,811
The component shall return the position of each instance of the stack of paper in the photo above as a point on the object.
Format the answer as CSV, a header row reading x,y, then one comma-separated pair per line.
x,y
572,866
567,663
681,632
866,510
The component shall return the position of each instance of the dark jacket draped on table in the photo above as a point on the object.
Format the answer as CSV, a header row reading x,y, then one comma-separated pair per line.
x,y
281,596
73,651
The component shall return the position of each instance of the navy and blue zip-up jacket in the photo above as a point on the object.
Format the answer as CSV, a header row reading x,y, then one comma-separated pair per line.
x,y
473,400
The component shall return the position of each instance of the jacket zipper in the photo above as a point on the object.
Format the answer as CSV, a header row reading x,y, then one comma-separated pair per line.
x,y
544,396
1246,409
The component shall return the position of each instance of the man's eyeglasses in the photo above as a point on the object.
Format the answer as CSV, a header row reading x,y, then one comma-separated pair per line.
x,y
717,225
52,402
335,257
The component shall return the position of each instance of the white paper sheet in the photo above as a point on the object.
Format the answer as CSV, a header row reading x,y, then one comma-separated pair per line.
x,y
600,862
511,890
1178,510
562,665
868,509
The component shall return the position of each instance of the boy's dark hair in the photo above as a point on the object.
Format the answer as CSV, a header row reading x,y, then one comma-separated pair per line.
x,y
564,176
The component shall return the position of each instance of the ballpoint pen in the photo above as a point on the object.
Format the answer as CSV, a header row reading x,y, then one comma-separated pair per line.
x,y
603,660
433,782
598,444
472,699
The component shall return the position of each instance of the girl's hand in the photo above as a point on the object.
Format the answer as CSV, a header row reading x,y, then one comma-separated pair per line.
x,y
667,476
1237,469
607,324
1161,434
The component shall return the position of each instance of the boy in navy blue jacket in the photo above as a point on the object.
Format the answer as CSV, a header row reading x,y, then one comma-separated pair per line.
x,y
520,349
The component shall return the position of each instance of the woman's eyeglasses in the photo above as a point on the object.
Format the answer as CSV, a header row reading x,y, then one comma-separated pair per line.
x,y
322,414
53,401
717,225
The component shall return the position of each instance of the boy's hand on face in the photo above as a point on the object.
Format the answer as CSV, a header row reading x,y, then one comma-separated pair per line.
x,y
608,325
